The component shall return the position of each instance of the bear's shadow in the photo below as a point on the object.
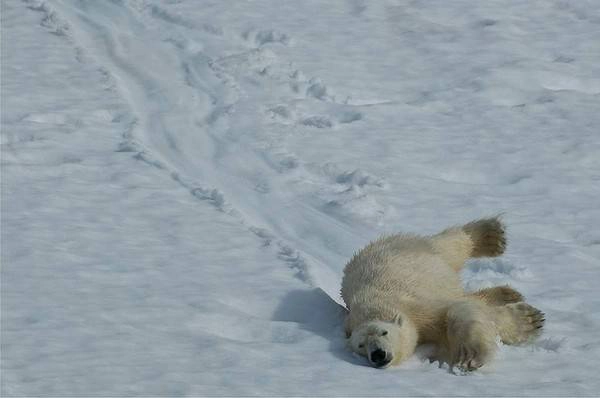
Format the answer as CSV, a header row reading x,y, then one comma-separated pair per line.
x,y
315,311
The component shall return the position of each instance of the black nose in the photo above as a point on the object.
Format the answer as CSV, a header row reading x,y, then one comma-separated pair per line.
x,y
378,357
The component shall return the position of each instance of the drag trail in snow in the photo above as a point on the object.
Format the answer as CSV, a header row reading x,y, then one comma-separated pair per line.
x,y
182,185
183,105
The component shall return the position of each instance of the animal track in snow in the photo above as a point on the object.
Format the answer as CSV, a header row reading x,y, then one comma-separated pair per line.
x,y
51,21
352,203
338,192
262,187
319,122
349,178
162,14
147,119
281,113
334,116
517,178
347,193
289,162
317,89
239,64
296,262
359,178
486,23
325,121
564,59
266,36
549,344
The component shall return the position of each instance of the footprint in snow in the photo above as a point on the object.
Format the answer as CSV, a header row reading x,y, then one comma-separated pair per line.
x,y
266,36
318,90
281,114
549,344
319,122
324,121
359,178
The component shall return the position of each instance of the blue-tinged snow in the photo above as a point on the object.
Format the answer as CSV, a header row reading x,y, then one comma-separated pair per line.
x,y
183,182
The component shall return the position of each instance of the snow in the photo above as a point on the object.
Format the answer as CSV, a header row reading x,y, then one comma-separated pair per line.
x,y
183,182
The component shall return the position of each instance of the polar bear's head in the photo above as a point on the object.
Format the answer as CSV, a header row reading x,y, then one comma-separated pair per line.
x,y
384,343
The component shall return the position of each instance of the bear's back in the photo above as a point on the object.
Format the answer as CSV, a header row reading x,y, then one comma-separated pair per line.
x,y
400,266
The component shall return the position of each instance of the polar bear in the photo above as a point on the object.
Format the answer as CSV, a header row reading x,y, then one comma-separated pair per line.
x,y
403,290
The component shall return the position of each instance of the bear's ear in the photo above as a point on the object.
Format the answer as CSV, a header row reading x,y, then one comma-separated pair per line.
x,y
398,320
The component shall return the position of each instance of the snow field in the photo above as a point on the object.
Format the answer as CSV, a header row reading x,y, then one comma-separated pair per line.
x,y
182,185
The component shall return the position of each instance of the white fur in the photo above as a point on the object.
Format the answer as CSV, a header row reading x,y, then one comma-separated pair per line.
x,y
408,286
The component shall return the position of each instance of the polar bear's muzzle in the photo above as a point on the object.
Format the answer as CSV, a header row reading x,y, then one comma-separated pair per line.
x,y
380,358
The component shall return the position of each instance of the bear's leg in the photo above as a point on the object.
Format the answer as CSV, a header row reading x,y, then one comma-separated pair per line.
x,y
499,295
488,237
518,323
481,238
471,333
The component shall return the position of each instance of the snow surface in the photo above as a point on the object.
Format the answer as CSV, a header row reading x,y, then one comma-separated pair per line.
x,y
183,182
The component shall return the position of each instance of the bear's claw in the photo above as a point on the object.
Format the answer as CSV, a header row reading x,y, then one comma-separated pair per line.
x,y
468,358
528,321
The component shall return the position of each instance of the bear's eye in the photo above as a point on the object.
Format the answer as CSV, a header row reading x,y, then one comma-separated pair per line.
x,y
384,333
361,346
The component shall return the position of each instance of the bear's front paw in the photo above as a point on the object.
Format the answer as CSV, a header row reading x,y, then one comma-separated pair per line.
x,y
527,323
471,355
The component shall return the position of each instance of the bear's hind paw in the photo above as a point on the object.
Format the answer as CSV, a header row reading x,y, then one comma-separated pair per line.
x,y
528,323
